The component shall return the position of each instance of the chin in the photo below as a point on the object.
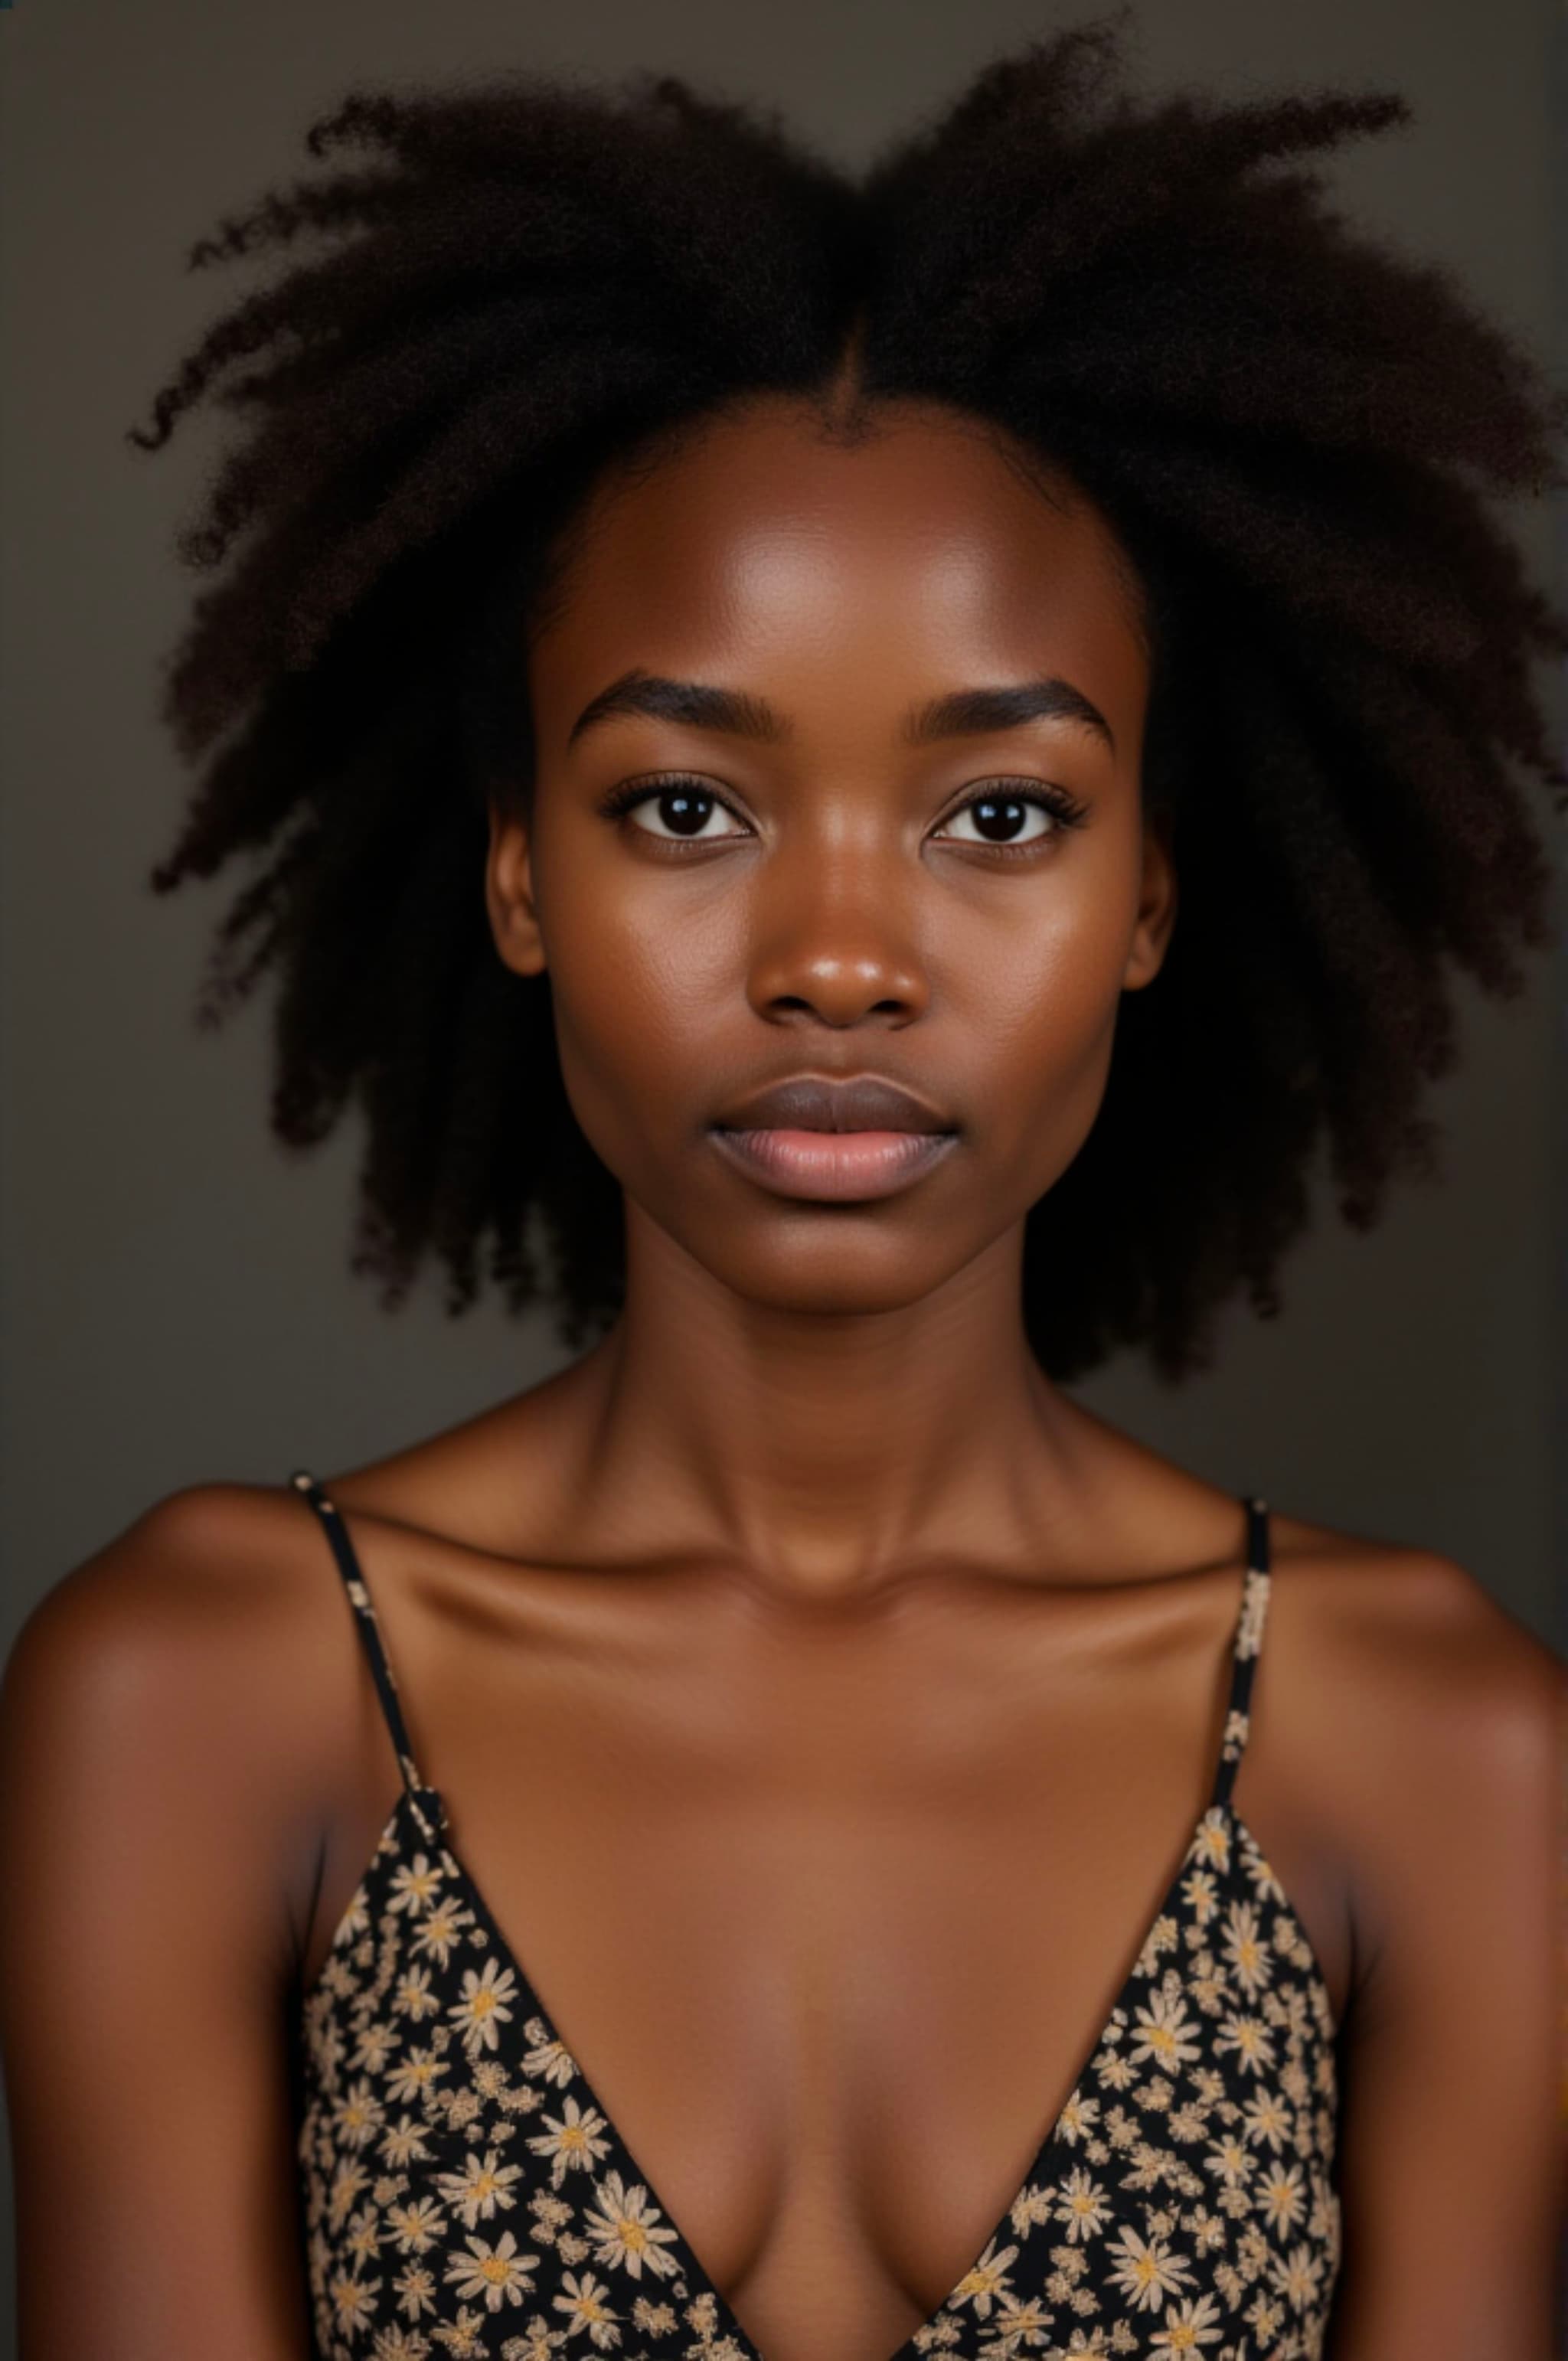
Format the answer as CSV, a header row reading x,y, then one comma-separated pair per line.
x,y
852,1275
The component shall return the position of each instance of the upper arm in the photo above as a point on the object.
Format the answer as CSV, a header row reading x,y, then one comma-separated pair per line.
x,y
145,1839
1450,2146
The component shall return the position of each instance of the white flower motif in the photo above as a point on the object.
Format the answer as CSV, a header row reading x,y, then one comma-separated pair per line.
x,y
575,2141
1146,2270
1082,2205
628,2231
499,2273
585,2301
1196,2325
986,2280
483,2007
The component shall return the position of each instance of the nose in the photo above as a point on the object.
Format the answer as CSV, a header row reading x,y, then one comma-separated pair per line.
x,y
834,947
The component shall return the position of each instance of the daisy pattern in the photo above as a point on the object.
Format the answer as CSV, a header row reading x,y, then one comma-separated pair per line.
x,y
1164,2032
416,2072
464,2194
985,2280
1296,2276
482,2009
629,2233
1250,2039
498,2273
584,2299
411,2227
352,2300
1246,1949
1078,2119
573,2138
1281,2197
439,1929
1266,2119
414,1884
483,2186
1145,2270
1083,2206
1189,2326
548,2059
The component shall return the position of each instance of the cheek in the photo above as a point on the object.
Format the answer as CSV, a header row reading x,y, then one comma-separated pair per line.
x,y
641,983
1041,996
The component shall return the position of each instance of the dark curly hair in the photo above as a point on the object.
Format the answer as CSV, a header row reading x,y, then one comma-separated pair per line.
x,y
1293,432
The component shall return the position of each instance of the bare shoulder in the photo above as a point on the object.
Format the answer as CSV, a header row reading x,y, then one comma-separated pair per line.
x,y
1431,1721
208,1635
1413,1644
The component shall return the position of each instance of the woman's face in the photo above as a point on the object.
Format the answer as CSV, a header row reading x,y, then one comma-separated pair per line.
x,y
836,785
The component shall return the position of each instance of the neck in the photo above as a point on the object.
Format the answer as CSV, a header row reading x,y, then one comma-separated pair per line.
x,y
829,1451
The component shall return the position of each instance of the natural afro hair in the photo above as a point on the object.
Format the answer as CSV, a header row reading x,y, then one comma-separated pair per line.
x,y
1294,432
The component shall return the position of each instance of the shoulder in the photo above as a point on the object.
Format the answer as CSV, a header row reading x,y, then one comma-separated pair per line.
x,y
1417,1651
206,1574
1433,1722
210,1631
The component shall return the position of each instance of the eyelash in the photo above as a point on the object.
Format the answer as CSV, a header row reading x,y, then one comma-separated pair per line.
x,y
1065,810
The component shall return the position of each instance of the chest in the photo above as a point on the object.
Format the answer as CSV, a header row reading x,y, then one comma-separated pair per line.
x,y
834,1968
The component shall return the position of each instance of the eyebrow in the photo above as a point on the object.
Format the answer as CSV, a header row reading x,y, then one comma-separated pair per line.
x,y
962,713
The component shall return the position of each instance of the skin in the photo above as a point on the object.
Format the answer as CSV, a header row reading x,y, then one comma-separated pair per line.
x,y
759,1655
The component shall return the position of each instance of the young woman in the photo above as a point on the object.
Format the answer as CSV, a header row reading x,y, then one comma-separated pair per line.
x,y
854,778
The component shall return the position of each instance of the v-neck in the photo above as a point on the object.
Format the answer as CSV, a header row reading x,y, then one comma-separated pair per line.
x,y
1207,2068
420,1812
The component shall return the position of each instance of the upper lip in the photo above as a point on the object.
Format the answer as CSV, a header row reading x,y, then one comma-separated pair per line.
x,y
818,1102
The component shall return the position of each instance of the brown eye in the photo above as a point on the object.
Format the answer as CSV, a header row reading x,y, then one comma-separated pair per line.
x,y
1003,816
682,811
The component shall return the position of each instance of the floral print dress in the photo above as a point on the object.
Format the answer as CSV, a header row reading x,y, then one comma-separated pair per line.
x,y
464,2192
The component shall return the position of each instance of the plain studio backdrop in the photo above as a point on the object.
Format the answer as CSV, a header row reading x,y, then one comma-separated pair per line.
x,y
178,1307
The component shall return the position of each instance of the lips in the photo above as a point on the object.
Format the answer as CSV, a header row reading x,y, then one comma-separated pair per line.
x,y
815,1103
839,1142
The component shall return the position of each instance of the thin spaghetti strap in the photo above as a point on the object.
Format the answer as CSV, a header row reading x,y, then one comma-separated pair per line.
x,y
1248,1640
426,1802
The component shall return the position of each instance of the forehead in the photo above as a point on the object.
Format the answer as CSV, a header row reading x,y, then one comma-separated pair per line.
x,y
928,545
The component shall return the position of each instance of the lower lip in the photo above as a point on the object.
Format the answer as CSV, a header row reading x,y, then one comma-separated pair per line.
x,y
837,1167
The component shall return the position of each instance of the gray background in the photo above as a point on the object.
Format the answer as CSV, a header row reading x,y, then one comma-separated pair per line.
x,y
176,1304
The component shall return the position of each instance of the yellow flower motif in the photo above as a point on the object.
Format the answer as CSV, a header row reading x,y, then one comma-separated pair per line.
x,y
415,2292
628,2231
986,2279
499,2273
574,2141
357,2116
1196,2325
1281,2197
483,2007
440,1929
1146,2270
461,2336
549,2060
351,2298
481,2186
415,2073
585,2301
1082,2205
1246,1950
415,2226
1249,2038
414,1884
1211,1841
1078,2118
1297,2277
1166,2033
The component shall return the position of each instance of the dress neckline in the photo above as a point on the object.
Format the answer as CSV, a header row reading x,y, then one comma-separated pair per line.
x,y
1221,1842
